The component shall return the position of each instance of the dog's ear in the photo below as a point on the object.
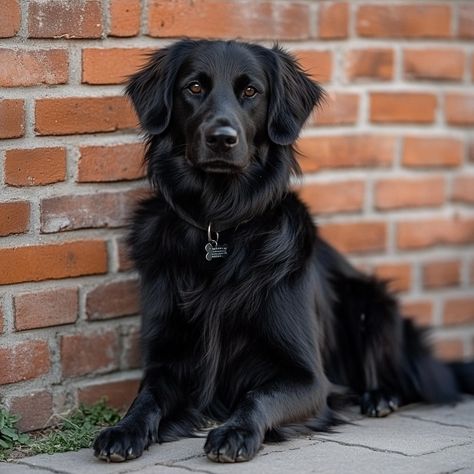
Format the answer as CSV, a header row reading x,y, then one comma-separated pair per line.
x,y
151,88
293,95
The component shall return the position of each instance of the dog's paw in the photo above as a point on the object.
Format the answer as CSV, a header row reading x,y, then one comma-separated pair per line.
x,y
120,443
376,403
232,444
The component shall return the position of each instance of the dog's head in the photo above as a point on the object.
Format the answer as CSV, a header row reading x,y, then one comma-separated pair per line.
x,y
220,101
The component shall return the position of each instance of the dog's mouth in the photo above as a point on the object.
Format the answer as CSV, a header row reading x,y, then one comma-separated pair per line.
x,y
220,166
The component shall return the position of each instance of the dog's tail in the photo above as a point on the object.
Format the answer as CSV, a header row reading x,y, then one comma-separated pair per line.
x,y
427,378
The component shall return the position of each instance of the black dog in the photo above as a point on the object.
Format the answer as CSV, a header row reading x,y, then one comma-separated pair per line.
x,y
249,318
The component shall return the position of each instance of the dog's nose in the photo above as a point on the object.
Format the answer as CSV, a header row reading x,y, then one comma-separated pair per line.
x,y
222,138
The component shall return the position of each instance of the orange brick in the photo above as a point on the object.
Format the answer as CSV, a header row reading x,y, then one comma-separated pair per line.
x,y
35,410
36,166
434,64
32,67
52,261
402,107
338,109
83,115
463,189
12,118
124,17
432,151
441,274
449,349
318,64
112,300
404,21
324,198
458,311
119,395
398,275
86,211
357,237
459,109
10,18
350,151
24,361
466,20
46,308
225,19
57,19
373,63
413,192
87,353
112,65
111,163
420,311
333,20
428,233
14,217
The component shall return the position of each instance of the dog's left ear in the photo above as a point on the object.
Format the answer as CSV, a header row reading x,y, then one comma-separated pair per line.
x,y
151,88
293,95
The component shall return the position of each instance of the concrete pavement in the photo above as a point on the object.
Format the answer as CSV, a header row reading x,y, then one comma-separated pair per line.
x,y
416,440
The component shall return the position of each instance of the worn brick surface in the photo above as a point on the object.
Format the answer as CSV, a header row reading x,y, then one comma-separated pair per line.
x,y
370,63
12,118
118,394
124,17
442,64
333,20
338,109
10,18
35,410
14,217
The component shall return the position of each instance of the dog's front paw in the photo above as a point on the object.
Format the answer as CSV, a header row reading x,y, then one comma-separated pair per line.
x,y
232,444
120,443
376,403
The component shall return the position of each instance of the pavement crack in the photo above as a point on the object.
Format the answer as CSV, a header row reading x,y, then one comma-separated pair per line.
x,y
370,448
187,468
41,468
444,448
436,422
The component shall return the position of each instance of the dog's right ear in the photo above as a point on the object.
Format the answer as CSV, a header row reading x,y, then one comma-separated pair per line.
x,y
151,88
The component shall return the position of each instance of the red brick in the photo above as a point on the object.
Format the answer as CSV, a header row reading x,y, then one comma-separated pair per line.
x,y
112,65
2,317
46,308
35,166
83,354
427,152
459,109
470,151
12,118
359,237
59,19
52,261
333,20
14,217
441,273
463,189
35,410
370,63
342,196
24,361
428,233
32,67
398,193
466,21
124,18
318,64
404,21
111,300
421,311
338,109
449,349
86,211
350,151
223,18
10,18
434,64
131,350
75,115
124,261
111,163
458,311
402,107
398,275
119,395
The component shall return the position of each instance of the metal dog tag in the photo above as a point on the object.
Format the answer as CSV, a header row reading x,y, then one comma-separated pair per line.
x,y
214,250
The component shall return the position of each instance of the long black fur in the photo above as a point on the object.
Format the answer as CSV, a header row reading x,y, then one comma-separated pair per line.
x,y
255,340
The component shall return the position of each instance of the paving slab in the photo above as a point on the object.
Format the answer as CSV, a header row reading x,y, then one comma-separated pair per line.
x,y
416,440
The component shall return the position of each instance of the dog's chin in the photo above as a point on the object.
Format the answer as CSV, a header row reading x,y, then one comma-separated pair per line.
x,y
220,167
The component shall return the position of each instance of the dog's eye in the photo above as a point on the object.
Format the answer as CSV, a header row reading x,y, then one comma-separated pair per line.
x,y
250,91
195,87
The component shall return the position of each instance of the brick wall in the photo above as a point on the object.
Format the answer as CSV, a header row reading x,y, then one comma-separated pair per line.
x,y
389,166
